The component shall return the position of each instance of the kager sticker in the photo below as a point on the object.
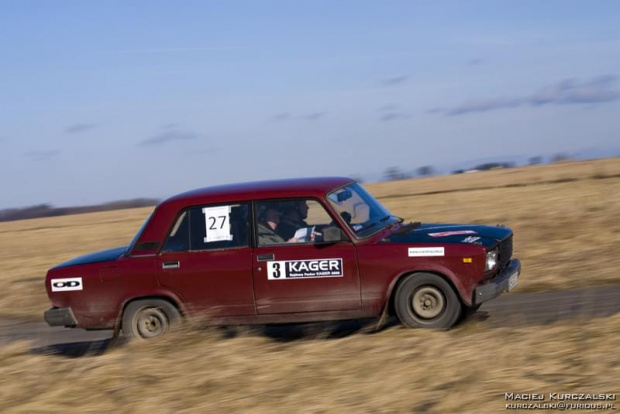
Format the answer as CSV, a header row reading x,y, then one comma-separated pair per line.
x,y
64,285
304,269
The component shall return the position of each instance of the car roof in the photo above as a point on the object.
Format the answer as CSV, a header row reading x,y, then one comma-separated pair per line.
x,y
296,187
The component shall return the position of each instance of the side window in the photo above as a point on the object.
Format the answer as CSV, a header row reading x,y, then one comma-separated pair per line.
x,y
219,227
210,227
290,221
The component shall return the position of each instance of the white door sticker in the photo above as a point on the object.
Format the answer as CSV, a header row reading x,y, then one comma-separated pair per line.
x,y
65,285
304,269
426,251
217,222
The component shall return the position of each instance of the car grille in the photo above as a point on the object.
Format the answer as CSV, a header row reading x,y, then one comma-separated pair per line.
x,y
505,252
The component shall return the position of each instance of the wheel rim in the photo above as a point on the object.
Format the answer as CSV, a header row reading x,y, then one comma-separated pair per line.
x,y
428,302
151,323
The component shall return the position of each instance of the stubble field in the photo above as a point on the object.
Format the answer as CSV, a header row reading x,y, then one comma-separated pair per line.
x,y
566,219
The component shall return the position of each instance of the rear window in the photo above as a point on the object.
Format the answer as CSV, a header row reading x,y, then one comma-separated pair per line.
x,y
209,228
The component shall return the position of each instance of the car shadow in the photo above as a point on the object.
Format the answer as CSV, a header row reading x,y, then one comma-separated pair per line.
x,y
78,349
306,331
278,333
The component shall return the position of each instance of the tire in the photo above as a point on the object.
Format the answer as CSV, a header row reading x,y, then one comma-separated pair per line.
x,y
425,300
149,318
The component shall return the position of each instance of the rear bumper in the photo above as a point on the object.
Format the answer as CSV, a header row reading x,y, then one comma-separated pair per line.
x,y
60,317
499,284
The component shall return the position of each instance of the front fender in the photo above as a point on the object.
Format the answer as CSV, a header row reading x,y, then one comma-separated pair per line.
x,y
462,291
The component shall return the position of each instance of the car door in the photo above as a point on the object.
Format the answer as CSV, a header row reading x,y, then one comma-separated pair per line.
x,y
207,260
301,273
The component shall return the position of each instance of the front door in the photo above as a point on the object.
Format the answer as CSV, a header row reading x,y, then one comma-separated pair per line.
x,y
294,271
208,262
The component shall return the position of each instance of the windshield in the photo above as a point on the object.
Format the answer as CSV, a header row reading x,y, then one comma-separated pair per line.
x,y
363,214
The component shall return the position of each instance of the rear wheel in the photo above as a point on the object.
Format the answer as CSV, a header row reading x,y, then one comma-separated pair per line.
x,y
425,300
149,318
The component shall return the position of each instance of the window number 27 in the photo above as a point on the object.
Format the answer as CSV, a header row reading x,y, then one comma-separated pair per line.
x,y
214,220
217,224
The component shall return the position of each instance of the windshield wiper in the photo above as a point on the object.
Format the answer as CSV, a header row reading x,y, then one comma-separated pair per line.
x,y
406,228
374,223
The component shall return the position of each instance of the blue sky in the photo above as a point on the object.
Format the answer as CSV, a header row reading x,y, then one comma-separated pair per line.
x,y
110,100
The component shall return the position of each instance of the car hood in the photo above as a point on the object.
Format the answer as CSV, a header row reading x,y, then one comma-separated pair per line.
x,y
97,257
487,236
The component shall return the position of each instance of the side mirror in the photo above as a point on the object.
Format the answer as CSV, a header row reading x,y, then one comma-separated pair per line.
x,y
333,235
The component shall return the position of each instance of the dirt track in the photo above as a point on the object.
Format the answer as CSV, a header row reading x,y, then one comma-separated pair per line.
x,y
520,309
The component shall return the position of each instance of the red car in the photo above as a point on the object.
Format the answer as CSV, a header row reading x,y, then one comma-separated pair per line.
x,y
280,252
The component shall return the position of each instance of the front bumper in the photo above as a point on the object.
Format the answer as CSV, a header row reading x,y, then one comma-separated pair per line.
x,y
60,317
499,284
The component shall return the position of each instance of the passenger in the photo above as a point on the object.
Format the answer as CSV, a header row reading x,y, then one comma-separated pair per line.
x,y
267,227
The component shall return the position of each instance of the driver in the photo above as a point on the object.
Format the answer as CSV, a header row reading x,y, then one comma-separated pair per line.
x,y
292,220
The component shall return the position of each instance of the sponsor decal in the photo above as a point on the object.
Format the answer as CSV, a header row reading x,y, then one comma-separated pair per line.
x,y
304,269
426,251
471,239
65,285
452,233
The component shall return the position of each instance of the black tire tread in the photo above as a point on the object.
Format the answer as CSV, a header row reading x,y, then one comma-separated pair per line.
x,y
415,280
130,332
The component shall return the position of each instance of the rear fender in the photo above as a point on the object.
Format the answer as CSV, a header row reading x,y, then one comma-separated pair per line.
x,y
166,295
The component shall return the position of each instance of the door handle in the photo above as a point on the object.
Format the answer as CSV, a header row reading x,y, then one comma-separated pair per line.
x,y
170,265
265,257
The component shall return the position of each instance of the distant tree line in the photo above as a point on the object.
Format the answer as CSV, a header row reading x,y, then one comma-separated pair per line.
x,y
396,173
46,210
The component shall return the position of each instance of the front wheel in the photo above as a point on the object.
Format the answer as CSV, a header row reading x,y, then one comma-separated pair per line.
x,y
149,318
425,300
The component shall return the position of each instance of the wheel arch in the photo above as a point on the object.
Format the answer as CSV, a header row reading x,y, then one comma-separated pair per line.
x,y
388,307
165,296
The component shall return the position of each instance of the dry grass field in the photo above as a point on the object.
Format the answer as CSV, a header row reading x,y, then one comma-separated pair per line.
x,y
566,219
466,370
567,223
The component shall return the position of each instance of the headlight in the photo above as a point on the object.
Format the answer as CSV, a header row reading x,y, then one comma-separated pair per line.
x,y
491,260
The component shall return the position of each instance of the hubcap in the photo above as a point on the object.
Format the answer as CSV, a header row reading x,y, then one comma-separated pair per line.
x,y
428,302
152,322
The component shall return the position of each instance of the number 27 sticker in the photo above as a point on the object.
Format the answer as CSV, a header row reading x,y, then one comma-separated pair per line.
x,y
217,222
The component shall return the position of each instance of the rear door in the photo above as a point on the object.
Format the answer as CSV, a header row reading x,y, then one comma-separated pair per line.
x,y
207,260
301,274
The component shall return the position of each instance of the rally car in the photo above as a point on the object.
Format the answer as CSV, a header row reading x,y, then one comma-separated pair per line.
x,y
282,251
